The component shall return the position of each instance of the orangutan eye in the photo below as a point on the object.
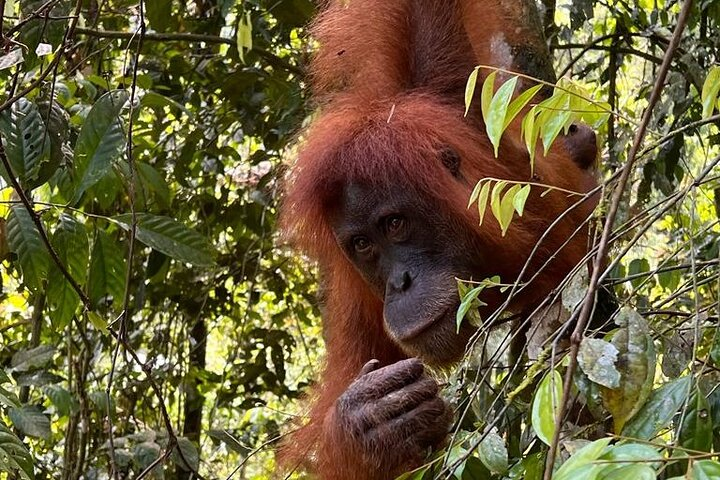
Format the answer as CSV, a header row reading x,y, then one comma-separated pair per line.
x,y
394,224
361,244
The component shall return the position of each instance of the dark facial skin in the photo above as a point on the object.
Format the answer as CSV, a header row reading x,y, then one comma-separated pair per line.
x,y
411,257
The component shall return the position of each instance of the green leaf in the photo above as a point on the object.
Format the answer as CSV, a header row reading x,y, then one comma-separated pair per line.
x,y
507,208
520,199
107,269
493,453
482,201
101,141
495,201
244,38
37,357
466,304
170,237
487,93
98,322
15,458
597,359
706,470
154,182
497,112
553,117
531,132
635,472
581,465
546,406
63,400
27,144
659,409
638,267
30,421
470,88
24,240
189,453
624,456
519,103
8,398
71,244
710,91
697,427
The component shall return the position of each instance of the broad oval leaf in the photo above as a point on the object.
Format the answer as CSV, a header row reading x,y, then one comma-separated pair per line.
x,y
706,470
15,458
26,360
493,453
582,464
636,364
597,360
659,409
30,421
101,141
71,244
635,472
546,406
497,112
107,269
697,426
27,144
170,237
24,240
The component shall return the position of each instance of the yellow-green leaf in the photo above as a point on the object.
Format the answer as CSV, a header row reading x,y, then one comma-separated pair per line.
x,y
487,93
520,198
546,406
483,200
507,208
470,88
519,103
497,112
710,91
495,199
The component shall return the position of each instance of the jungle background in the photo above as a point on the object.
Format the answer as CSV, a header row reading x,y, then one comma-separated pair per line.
x,y
153,324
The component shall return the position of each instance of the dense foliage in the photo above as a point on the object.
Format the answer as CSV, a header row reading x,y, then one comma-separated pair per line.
x,y
153,324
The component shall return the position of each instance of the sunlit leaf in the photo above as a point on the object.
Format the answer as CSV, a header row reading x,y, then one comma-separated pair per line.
x,y
597,360
470,88
497,112
519,103
520,198
495,200
482,201
710,90
507,208
488,90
